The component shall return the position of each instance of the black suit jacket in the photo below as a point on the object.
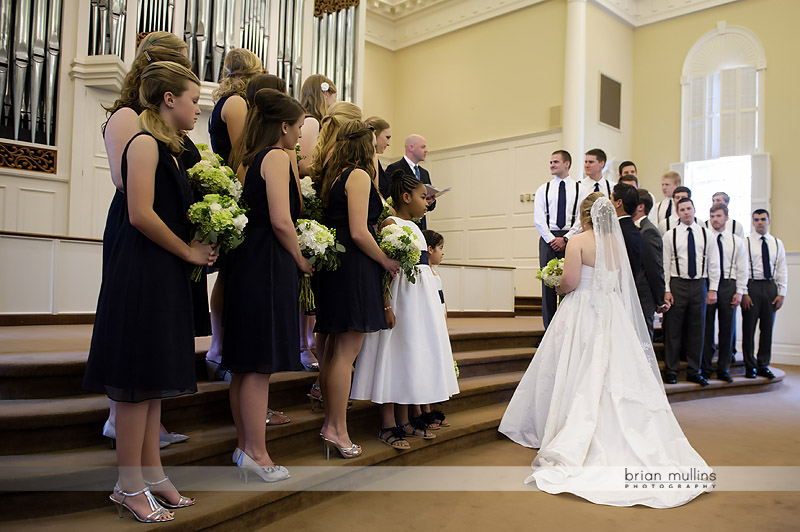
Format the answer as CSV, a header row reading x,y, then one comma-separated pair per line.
x,y
403,165
650,282
633,243
384,185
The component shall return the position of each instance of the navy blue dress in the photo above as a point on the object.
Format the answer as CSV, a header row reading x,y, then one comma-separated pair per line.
x,y
143,343
350,298
261,309
218,131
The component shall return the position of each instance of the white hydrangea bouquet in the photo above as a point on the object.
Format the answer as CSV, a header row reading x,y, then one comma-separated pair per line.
x,y
400,243
217,220
312,205
210,176
551,274
318,244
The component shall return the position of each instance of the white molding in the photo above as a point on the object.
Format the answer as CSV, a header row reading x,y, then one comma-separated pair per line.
x,y
735,46
396,24
99,71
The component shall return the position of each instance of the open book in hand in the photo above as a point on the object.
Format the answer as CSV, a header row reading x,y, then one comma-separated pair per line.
x,y
434,192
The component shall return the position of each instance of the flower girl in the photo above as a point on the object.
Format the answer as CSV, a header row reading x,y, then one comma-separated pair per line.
x,y
412,362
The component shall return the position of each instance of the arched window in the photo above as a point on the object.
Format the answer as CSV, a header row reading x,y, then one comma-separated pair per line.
x,y
722,121
723,95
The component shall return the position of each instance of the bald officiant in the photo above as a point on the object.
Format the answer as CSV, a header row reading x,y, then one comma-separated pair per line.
x,y
416,151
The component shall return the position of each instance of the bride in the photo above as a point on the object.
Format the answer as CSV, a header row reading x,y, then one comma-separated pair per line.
x,y
592,400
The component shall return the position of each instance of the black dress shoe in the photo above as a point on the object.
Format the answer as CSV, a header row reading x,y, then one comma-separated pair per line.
x,y
706,374
750,373
724,376
765,372
669,378
698,379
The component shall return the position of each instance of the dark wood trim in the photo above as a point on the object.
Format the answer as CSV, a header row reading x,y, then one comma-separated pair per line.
x,y
480,314
52,237
479,266
11,320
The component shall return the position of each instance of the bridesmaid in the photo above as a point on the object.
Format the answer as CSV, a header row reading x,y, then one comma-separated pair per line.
x,y
317,95
338,114
119,129
350,301
383,136
144,311
225,126
261,293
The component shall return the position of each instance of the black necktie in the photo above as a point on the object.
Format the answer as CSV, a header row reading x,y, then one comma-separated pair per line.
x,y
669,209
561,217
721,258
597,187
692,255
765,258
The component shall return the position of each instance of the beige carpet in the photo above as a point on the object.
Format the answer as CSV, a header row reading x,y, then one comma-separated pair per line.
x,y
749,430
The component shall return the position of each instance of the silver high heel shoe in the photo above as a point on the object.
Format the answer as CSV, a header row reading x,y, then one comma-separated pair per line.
x,y
236,454
173,437
111,433
184,502
273,473
159,514
305,359
347,452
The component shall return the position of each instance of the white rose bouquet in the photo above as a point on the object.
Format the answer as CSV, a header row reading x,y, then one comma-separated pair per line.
x,y
318,244
551,273
217,220
400,243
210,176
312,205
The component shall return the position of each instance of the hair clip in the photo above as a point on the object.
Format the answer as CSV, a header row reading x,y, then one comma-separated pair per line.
x,y
147,55
324,86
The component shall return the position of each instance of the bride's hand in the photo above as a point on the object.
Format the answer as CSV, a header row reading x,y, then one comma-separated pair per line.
x,y
560,291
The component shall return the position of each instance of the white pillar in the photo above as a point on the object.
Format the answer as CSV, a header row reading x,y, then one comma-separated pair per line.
x,y
575,85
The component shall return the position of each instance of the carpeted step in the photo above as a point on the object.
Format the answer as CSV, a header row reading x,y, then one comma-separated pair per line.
x,y
90,482
491,361
42,425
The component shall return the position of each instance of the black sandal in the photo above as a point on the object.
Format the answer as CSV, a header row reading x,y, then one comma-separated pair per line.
x,y
416,429
439,417
394,438
424,421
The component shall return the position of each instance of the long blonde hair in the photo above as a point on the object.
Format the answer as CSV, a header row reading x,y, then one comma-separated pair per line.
x,y
338,115
312,97
158,79
586,208
156,46
239,67
354,149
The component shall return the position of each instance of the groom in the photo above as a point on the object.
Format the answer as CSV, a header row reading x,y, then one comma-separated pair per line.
x,y
625,199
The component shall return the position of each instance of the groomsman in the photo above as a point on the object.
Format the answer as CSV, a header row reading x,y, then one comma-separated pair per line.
x,y
732,284
556,217
650,281
416,151
764,297
687,263
593,163
666,207
629,175
732,226
672,220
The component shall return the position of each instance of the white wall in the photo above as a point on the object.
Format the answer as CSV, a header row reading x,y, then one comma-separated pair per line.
x,y
482,218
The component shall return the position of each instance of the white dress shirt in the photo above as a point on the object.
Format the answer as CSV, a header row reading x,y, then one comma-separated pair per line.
x,y
659,211
707,264
540,208
777,259
605,186
674,221
411,164
731,226
734,260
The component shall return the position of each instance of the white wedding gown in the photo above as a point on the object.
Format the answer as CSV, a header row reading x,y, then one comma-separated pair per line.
x,y
593,403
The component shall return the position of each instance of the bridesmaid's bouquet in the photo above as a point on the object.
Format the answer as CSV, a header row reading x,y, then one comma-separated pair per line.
x,y
318,244
400,243
210,176
217,220
551,274
312,205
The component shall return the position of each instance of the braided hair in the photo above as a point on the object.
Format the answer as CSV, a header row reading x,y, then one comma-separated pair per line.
x,y
402,182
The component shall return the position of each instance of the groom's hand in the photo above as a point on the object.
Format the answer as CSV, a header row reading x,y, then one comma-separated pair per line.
x,y
711,297
668,300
